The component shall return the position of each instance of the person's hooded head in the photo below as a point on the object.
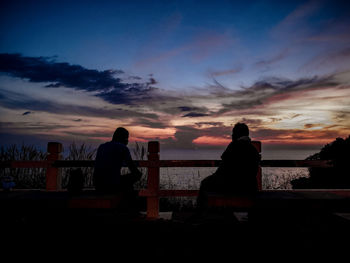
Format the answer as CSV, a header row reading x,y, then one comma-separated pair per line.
x,y
239,130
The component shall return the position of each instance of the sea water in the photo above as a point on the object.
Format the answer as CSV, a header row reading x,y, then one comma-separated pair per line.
x,y
190,177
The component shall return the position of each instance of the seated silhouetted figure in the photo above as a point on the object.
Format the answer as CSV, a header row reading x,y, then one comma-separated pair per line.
x,y
110,158
237,171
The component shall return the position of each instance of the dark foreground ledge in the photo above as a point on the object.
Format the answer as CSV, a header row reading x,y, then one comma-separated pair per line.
x,y
335,200
289,222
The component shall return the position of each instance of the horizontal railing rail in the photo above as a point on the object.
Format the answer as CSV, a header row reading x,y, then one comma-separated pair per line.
x,y
54,162
163,163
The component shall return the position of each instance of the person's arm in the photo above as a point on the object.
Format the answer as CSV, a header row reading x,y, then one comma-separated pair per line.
x,y
131,165
226,159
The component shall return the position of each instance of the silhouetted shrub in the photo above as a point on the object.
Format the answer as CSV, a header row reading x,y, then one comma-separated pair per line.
x,y
336,177
77,153
23,177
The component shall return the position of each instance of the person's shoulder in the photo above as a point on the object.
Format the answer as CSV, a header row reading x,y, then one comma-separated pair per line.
x,y
245,144
101,146
119,146
112,145
230,145
228,151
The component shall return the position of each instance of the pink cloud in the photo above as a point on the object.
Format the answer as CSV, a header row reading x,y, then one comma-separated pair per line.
x,y
296,18
200,47
339,59
218,73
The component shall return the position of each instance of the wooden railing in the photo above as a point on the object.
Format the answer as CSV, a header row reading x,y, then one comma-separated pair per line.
x,y
152,192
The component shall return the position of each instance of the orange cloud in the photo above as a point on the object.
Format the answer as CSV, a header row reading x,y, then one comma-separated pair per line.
x,y
299,136
212,141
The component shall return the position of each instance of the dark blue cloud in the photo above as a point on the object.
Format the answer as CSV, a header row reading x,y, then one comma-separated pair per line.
x,y
105,83
195,114
264,90
194,111
17,101
185,108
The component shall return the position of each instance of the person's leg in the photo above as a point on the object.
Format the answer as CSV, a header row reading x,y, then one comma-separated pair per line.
x,y
208,184
127,182
130,195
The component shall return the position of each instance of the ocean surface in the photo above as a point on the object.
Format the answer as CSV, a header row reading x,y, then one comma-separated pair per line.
x,y
190,178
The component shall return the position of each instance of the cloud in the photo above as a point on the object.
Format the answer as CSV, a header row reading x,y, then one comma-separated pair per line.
x,y
298,136
209,123
186,135
195,115
105,84
217,73
26,127
276,58
252,123
339,58
155,110
302,11
152,81
201,46
151,123
294,24
270,90
185,108
193,112
14,100
312,125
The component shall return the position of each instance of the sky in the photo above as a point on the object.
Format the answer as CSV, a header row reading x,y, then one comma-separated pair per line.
x,y
180,72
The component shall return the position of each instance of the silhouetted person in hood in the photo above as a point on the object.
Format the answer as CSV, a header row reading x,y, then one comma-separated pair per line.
x,y
238,170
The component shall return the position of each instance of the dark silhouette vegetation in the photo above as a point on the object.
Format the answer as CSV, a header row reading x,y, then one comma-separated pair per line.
x,y
22,178
336,177
34,178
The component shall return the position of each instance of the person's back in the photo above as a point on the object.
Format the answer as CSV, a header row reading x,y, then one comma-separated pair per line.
x,y
110,158
239,168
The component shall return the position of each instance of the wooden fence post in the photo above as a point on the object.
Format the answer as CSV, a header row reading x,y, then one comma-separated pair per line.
x,y
153,180
53,178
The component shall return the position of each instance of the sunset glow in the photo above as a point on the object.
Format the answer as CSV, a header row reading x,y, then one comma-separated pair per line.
x,y
182,73
207,140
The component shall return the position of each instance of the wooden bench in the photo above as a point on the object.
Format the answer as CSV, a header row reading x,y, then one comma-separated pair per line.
x,y
235,202
91,199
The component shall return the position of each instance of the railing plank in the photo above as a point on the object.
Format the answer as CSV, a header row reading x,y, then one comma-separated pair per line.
x,y
162,193
24,164
189,163
73,163
296,163
164,163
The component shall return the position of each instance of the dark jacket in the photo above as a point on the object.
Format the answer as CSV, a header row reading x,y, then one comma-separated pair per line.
x,y
239,167
110,158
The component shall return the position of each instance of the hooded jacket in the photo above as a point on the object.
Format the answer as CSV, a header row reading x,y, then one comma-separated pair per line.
x,y
239,167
